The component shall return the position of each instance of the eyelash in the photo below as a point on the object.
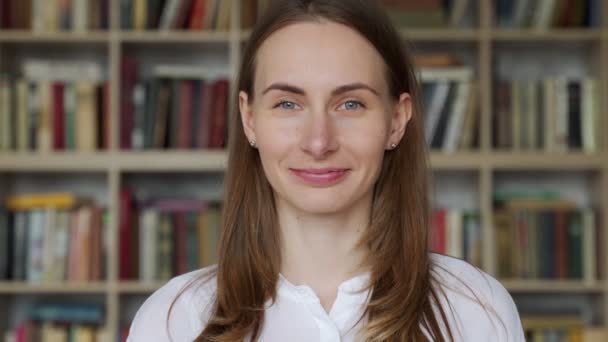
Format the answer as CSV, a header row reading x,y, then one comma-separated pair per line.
x,y
353,101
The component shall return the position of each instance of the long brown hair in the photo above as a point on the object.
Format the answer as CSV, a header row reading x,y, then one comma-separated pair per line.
x,y
403,288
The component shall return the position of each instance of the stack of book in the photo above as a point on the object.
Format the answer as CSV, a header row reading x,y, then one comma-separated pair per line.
x,y
450,100
555,115
427,14
61,322
162,238
457,233
165,15
178,107
55,15
54,106
54,237
540,236
545,14
569,329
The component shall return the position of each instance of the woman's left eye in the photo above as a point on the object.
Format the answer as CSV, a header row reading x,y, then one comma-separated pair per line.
x,y
352,105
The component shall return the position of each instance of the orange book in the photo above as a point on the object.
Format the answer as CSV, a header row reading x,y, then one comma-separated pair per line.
x,y
31,201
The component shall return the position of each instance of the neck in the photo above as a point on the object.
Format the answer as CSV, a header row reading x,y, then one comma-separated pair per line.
x,y
320,250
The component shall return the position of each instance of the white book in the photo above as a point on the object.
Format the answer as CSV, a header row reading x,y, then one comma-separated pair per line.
x,y
169,13
446,73
36,238
22,119
139,104
50,217
589,112
148,235
434,108
6,114
189,72
458,11
456,119
561,115
64,71
543,14
38,8
80,15
454,234
549,114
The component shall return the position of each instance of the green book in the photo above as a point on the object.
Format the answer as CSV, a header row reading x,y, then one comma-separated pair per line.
x,y
575,245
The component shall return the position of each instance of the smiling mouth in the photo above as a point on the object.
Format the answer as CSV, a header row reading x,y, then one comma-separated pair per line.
x,y
325,176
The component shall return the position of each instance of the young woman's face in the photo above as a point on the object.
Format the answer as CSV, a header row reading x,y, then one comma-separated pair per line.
x,y
322,117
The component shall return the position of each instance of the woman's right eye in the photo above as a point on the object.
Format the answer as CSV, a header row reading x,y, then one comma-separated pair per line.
x,y
285,105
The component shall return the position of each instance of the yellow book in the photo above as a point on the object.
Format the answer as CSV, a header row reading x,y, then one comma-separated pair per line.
x,y
49,200
139,14
85,334
595,334
551,322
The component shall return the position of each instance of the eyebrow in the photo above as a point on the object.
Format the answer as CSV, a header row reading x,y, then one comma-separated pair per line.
x,y
337,91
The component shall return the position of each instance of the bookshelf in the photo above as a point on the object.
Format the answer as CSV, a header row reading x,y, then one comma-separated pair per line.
x,y
484,164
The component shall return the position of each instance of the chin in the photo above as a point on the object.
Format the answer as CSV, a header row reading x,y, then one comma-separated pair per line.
x,y
321,204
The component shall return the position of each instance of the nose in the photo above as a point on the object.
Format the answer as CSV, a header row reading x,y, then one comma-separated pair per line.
x,y
319,136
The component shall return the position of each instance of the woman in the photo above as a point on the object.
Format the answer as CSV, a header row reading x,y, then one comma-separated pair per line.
x,y
326,214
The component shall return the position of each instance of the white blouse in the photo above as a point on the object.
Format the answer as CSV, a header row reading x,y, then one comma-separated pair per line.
x,y
298,316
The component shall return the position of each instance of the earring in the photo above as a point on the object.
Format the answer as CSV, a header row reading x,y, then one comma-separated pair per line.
x,y
252,143
393,145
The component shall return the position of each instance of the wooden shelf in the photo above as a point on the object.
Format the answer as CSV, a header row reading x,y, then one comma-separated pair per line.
x,y
137,287
546,35
543,286
23,36
215,161
174,36
198,160
440,34
51,288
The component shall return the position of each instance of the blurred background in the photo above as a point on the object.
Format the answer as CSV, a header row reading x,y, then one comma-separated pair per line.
x,y
113,128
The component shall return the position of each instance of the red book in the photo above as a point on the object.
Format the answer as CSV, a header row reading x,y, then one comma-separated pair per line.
x,y
218,114
181,259
438,239
185,115
561,245
197,15
58,117
128,71
125,232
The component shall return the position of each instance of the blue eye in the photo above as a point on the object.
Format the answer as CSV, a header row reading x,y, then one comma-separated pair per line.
x,y
352,105
283,103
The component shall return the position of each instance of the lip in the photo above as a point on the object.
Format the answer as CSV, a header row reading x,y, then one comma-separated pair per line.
x,y
320,177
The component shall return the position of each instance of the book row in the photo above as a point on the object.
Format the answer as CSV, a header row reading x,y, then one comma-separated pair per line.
x,y
53,115
451,108
175,14
548,14
547,239
554,115
561,328
51,239
162,238
174,108
429,13
55,15
457,233
60,323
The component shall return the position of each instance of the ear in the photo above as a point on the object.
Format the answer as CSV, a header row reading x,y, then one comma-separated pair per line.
x,y
401,115
246,116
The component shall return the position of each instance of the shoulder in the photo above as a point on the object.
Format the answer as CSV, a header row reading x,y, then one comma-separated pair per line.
x,y
189,296
479,306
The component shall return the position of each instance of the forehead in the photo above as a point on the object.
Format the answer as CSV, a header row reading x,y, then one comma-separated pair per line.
x,y
321,55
